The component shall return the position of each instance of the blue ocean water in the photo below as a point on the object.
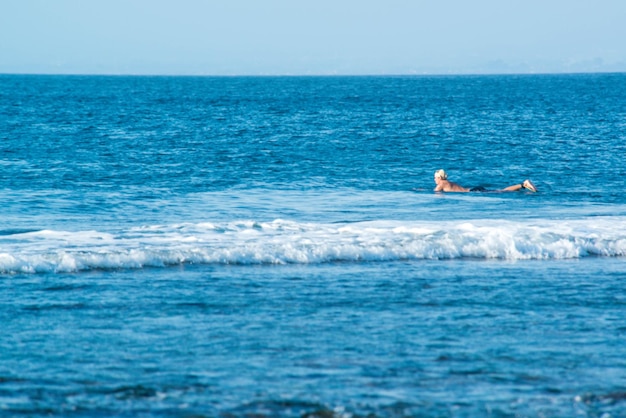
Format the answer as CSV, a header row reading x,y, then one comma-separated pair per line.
x,y
272,246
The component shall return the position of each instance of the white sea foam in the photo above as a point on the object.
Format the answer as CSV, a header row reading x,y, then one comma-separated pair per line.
x,y
283,242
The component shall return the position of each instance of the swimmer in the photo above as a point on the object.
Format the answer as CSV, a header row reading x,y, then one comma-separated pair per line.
x,y
444,185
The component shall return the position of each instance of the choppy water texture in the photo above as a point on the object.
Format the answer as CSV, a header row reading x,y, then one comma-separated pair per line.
x,y
179,246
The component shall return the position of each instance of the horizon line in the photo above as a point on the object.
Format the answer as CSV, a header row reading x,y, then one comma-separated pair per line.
x,y
304,75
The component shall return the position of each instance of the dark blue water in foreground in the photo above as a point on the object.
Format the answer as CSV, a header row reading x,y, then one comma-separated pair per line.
x,y
238,247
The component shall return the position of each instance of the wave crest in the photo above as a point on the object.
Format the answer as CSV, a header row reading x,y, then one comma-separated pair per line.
x,y
285,242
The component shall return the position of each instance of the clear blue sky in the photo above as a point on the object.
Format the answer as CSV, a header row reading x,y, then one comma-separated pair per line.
x,y
231,37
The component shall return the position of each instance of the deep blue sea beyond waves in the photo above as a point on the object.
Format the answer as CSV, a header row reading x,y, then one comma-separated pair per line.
x,y
273,247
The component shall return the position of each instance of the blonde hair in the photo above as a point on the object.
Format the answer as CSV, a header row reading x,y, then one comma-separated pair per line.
x,y
441,174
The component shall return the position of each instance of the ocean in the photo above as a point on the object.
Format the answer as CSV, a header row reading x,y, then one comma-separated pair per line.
x,y
273,247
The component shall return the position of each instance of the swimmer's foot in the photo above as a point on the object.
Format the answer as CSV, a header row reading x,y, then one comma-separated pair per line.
x,y
529,186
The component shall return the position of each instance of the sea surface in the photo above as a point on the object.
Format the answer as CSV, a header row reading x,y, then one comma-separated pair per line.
x,y
273,247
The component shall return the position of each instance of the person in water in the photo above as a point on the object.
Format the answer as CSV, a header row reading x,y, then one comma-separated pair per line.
x,y
444,185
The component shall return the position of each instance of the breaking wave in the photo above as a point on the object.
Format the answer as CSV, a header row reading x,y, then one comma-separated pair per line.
x,y
289,242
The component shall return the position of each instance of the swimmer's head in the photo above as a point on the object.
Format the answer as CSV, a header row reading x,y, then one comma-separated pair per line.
x,y
441,174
